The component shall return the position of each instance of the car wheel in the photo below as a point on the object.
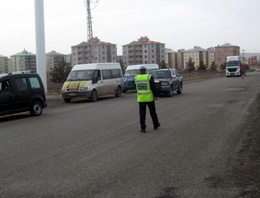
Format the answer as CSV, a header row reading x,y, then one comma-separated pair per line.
x,y
67,100
36,108
179,90
94,96
170,92
118,91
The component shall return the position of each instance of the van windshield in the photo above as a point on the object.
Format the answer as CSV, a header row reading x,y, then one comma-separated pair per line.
x,y
81,75
133,72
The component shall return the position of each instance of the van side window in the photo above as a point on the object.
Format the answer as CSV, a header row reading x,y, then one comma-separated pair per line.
x,y
98,74
5,87
34,82
115,73
106,74
21,84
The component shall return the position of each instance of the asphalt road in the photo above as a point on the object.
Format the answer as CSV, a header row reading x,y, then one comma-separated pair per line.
x,y
95,150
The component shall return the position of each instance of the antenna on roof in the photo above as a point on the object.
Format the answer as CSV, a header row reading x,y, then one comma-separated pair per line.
x,y
89,28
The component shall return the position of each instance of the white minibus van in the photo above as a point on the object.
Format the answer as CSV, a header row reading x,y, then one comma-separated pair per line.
x,y
92,81
131,71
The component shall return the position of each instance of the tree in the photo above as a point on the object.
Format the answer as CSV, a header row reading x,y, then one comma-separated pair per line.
x,y
121,62
190,65
163,65
213,67
202,66
60,72
223,66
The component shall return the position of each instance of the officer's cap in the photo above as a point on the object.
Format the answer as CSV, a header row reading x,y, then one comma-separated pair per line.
x,y
142,68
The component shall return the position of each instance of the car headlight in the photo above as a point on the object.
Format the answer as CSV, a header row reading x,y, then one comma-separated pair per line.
x,y
83,88
164,83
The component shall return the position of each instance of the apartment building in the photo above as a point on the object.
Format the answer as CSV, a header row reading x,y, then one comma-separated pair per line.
x,y
197,54
210,56
252,61
143,51
93,51
222,51
170,58
4,64
23,61
53,59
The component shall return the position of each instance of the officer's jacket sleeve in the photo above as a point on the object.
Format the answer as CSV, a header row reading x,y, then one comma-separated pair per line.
x,y
153,87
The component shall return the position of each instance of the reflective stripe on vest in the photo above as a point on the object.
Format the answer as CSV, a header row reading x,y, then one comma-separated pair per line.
x,y
144,93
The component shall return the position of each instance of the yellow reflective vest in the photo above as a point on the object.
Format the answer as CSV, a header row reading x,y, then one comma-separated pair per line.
x,y
144,92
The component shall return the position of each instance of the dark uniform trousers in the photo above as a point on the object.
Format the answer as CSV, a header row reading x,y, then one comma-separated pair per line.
x,y
142,112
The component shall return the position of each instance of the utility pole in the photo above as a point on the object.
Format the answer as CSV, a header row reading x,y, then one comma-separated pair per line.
x,y
40,41
90,31
243,55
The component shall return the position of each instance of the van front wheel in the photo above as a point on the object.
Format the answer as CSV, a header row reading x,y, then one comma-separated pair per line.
x,y
94,96
118,91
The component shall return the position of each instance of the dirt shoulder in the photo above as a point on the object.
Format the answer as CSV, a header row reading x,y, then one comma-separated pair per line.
x,y
245,173
243,170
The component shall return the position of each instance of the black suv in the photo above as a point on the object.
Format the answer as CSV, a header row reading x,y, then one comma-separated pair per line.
x,y
167,81
20,93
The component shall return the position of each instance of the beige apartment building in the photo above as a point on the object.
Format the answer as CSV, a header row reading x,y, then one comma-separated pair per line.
x,y
53,59
222,51
170,58
102,52
4,64
178,59
24,61
143,51
197,54
210,58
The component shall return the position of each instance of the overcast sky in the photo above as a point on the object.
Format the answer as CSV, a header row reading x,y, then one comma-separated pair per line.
x,y
180,24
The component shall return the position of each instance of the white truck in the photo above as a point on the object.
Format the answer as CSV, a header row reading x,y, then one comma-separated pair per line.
x,y
233,66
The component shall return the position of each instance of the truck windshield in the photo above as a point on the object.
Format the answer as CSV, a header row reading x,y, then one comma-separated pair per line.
x,y
161,74
133,72
81,75
232,63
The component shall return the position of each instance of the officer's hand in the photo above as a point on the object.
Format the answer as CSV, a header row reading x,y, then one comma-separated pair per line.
x,y
156,98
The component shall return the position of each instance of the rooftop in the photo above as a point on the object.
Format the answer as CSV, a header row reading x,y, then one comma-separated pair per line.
x,y
144,40
24,53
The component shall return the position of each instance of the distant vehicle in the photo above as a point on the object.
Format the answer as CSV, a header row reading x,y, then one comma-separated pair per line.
x,y
92,81
21,93
131,71
167,81
233,66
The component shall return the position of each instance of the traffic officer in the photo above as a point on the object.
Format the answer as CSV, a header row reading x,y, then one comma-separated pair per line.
x,y
146,94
